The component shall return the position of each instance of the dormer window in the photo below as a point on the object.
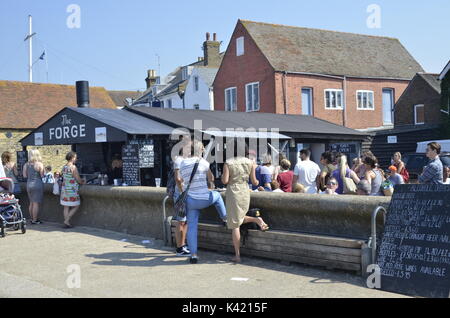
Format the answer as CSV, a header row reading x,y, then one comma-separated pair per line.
x,y
184,73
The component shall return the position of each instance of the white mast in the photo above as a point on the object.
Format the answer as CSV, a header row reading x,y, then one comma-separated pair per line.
x,y
30,48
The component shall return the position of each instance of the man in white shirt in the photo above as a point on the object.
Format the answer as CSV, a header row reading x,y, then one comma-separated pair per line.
x,y
306,172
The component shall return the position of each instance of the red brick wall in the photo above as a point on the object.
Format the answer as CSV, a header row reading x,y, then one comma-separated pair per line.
x,y
356,119
419,92
237,71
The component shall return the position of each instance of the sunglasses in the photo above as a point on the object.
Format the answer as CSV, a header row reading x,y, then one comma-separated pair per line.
x,y
331,184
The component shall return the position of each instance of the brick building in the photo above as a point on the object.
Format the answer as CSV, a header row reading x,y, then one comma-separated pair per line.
x,y
347,79
25,106
420,104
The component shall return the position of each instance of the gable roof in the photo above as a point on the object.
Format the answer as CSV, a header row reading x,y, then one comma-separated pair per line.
x,y
293,124
297,49
41,101
207,74
432,80
444,71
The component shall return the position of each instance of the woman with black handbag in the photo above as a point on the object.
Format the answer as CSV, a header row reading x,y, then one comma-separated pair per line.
x,y
197,196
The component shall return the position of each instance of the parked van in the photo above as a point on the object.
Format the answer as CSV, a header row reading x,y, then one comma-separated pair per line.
x,y
415,162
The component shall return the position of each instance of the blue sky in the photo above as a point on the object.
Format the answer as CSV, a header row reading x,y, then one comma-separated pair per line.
x,y
118,40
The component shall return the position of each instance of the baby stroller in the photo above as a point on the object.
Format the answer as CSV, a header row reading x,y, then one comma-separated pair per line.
x,y
10,213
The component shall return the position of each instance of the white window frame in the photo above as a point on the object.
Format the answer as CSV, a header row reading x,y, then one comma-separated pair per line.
x,y
253,109
196,84
240,47
331,90
415,114
227,108
361,107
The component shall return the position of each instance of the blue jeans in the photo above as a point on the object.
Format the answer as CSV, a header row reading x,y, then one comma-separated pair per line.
x,y
193,212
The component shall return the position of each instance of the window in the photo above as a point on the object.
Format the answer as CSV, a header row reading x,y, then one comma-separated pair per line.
x,y
230,99
162,104
419,114
196,83
169,103
364,100
252,96
240,46
196,106
333,99
184,73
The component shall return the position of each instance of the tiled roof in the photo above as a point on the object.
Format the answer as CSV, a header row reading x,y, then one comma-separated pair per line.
x,y
223,120
296,49
208,74
26,105
119,97
432,80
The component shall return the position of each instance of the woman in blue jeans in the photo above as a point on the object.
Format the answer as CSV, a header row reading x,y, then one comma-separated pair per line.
x,y
199,196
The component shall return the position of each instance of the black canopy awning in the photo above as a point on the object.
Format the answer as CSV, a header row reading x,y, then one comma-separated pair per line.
x,y
74,125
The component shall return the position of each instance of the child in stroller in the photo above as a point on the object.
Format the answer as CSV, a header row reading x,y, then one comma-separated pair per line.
x,y
10,211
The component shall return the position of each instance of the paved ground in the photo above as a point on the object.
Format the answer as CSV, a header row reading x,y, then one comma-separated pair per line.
x,y
119,265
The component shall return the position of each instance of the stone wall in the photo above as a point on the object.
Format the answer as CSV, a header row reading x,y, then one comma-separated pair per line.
x,y
138,210
51,155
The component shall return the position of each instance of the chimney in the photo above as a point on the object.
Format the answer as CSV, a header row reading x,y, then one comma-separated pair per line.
x,y
211,51
151,78
82,88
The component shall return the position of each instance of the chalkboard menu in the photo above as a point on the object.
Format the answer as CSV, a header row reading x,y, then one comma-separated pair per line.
x,y
343,148
146,156
130,158
414,256
146,152
22,159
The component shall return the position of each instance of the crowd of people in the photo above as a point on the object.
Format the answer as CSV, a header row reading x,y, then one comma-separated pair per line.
x,y
241,175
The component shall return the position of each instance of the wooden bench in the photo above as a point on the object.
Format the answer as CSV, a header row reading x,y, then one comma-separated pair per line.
x,y
318,250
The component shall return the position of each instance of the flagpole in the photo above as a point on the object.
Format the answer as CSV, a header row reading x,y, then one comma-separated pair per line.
x,y
30,50
46,61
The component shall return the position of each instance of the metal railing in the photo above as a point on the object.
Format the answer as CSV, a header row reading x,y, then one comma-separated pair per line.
x,y
373,238
164,219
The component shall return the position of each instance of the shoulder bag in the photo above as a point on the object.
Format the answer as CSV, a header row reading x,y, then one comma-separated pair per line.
x,y
180,204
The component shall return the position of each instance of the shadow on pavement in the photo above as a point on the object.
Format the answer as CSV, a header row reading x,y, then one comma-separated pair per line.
x,y
167,257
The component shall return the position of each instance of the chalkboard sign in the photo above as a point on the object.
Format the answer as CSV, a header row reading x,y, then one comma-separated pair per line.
x,y
146,152
146,156
344,148
414,256
22,159
130,158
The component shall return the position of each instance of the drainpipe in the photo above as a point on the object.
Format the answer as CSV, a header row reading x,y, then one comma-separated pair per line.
x,y
284,92
345,102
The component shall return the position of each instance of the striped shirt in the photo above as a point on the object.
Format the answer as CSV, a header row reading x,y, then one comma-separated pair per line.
x,y
199,186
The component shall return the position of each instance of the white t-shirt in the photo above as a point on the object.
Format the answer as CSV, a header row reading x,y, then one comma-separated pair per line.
x,y
307,172
199,185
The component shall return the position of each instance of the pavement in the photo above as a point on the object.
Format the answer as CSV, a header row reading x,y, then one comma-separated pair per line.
x,y
49,261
